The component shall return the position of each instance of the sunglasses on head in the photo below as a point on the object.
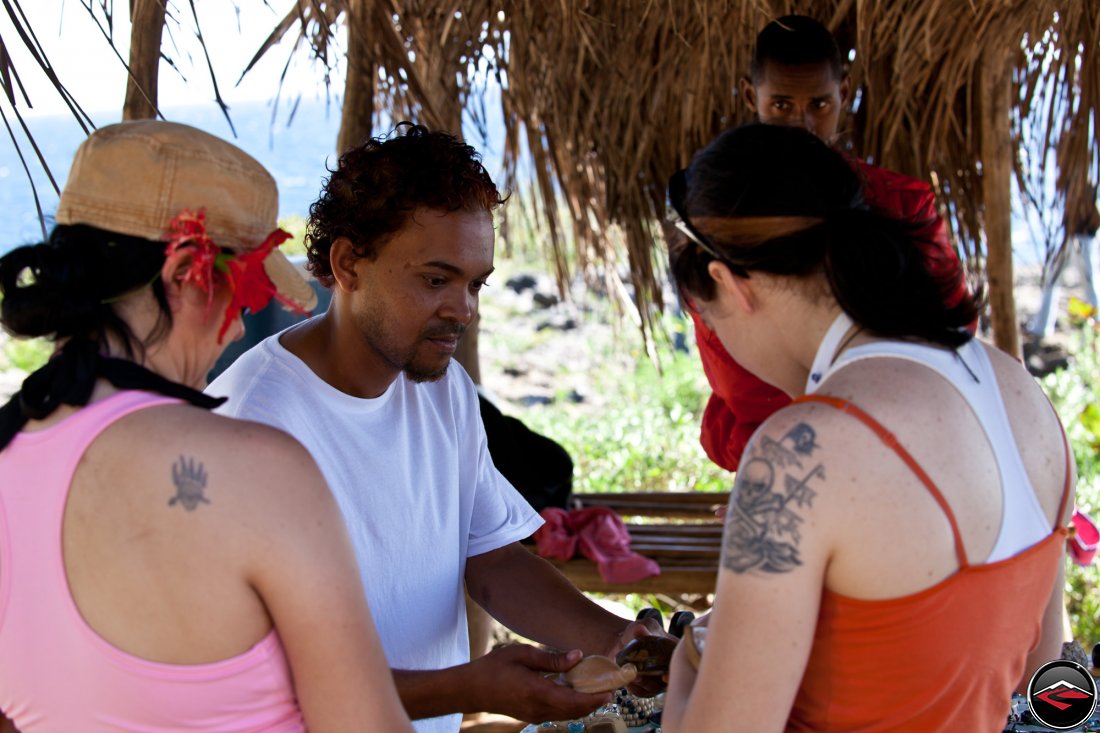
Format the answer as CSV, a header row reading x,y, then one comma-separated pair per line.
x,y
677,187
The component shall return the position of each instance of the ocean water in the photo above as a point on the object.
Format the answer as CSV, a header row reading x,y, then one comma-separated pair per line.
x,y
296,154
297,150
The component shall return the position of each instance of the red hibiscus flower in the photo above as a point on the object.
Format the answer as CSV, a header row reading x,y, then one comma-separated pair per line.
x,y
249,286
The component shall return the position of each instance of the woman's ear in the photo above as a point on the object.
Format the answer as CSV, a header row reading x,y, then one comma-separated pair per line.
x,y
737,290
173,273
342,259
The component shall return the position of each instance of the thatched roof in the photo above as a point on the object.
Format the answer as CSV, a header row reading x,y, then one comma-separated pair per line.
x,y
609,97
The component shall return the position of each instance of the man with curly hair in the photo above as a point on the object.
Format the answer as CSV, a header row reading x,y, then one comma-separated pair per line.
x,y
403,235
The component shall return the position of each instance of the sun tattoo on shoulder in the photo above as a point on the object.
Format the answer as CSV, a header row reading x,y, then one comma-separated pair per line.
x,y
189,476
769,501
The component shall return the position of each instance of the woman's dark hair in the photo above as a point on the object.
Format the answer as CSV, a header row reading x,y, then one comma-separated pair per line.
x,y
378,185
66,287
776,199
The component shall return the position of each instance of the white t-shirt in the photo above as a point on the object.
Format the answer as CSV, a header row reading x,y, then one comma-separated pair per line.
x,y
411,472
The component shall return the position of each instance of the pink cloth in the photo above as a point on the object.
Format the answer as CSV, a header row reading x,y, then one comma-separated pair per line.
x,y
602,538
56,673
1085,538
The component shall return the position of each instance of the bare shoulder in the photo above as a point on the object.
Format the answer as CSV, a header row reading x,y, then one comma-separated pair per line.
x,y
1012,375
1025,401
213,432
833,457
1035,425
239,459
785,497
805,432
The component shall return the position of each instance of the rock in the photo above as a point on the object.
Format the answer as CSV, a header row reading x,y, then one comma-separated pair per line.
x,y
545,299
1074,652
558,324
1042,359
521,282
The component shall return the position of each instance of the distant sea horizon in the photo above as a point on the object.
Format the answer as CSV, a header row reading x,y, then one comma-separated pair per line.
x,y
297,150
298,153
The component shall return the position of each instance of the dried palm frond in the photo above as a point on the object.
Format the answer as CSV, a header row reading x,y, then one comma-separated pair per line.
x,y
424,54
605,99
102,16
922,94
15,95
615,96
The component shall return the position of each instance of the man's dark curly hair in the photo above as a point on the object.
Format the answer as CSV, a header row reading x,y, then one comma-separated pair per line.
x,y
377,186
794,40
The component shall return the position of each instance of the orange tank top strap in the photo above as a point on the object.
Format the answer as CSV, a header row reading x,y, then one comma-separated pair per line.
x,y
892,442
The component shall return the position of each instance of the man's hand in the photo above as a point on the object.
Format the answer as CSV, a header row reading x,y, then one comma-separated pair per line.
x,y
520,680
642,686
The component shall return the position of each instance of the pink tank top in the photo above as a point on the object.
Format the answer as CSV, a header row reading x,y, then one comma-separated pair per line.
x,y
56,673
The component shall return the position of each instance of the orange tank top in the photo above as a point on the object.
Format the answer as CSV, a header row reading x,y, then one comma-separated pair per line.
x,y
944,659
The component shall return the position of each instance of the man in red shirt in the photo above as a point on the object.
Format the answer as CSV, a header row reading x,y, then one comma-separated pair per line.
x,y
797,78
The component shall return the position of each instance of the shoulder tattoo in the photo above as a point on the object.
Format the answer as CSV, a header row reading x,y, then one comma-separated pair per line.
x,y
189,476
768,504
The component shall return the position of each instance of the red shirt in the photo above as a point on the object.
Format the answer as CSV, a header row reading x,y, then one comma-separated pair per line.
x,y
741,401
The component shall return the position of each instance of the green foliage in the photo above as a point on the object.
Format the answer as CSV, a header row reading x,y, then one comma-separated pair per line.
x,y
24,355
1075,393
637,428
635,602
646,436
296,226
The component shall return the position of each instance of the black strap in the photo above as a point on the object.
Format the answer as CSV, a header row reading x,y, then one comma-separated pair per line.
x,y
69,377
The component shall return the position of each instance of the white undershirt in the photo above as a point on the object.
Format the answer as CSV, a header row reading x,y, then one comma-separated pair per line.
x,y
969,370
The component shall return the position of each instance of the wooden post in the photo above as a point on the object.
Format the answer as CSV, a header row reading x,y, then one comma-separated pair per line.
x,y
355,117
355,120
996,152
147,26
444,99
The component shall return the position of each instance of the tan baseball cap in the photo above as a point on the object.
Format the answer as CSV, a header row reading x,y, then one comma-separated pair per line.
x,y
135,177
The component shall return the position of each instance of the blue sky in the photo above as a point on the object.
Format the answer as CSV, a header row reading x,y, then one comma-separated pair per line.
x,y
84,62
93,73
